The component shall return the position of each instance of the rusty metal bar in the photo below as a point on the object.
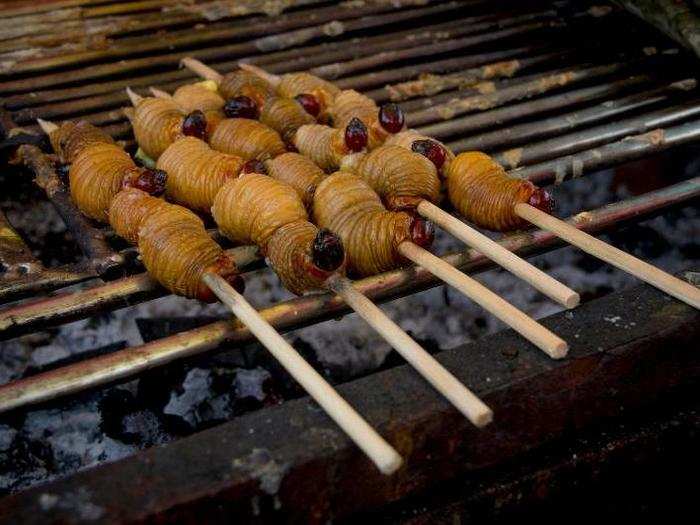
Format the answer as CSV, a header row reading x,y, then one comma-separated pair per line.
x,y
314,308
91,240
546,83
630,148
531,131
16,258
263,44
596,136
494,117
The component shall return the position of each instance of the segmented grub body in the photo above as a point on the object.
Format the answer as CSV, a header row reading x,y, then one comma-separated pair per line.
x,y
248,139
243,83
484,194
285,116
297,171
157,123
347,205
348,104
324,145
196,172
402,178
70,138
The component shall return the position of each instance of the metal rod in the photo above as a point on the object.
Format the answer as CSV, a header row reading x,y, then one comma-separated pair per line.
x,y
544,127
546,83
596,136
500,116
309,309
630,148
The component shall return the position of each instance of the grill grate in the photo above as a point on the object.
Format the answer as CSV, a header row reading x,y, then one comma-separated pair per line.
x,y
525,83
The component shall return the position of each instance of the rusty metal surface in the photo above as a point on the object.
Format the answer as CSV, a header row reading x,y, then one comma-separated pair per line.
x,y
265,476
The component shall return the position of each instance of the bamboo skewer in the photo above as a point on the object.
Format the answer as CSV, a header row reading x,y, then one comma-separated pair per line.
x,y
471,237
426,365
377,449
497,253
673,286
548,342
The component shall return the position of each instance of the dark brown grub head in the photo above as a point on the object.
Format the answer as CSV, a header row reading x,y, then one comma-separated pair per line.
x,y
542,200
254,166
391,117
241,107
309,103
422,232
150,180
195,125
431,150
328,253
356,135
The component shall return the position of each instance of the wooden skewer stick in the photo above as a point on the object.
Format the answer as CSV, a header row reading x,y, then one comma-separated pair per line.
x,y
200,69
497,253
378,450
534,332
46,126
673,286
159,93
426,365
134,97
274,80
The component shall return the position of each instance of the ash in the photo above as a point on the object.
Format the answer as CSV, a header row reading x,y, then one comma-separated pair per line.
x,y
177,400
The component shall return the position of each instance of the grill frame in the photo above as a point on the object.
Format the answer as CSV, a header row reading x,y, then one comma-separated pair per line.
x,y
554,87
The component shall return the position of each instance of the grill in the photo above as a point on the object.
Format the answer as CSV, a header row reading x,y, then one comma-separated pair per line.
x,y
526,84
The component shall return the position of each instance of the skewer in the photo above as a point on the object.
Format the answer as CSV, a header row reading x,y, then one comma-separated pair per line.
x,y
550,343
470,236
673,286
427,366
377,449
529,273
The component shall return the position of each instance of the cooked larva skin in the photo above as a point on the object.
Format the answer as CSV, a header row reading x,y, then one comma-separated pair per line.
x,y
485,195
96,176
347,205
72,137
244,84
131,207
250,208
196,172
348,104
289,251
324,145
285,115
293,84
248,139
401,177
177,251
198,96
297,171
157,123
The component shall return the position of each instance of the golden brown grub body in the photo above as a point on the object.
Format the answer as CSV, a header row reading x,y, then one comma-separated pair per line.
x,y
196,172
297,171
293,84
200,96
157,123
347,205
96,176
245,84
260,210
402,178
481,191
73,137
130,208
248,139
250,208
177,251
285,116
324,145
